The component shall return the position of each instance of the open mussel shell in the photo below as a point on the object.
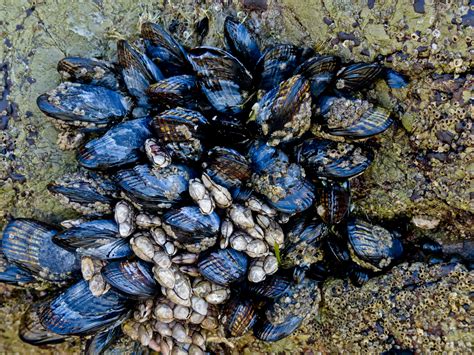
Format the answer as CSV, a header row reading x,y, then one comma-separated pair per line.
x,y
227,167
333,201
29,244
371,246
272,287
133,279
164,50
333,160
76,311
74,102
13,274
284,113
239,316
85,192
267,331
189,225
89,71
180,90
98,238
121,145
31,330
276,65
155,189
320,72
241,42
357,76
223,79
101,341
138,71
223,266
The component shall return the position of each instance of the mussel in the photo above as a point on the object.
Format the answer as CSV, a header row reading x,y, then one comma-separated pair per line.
x,y
76,103
29,244
138,72
240,42
89,71
227,167
333,160
333,201
98,238
33,332
356,76
121,145
239,316
188,225
320,71
77,312
277,64
354,118
223,266
180,90
13,274
155,189
164,50
284,113
223,79
133,279
371,246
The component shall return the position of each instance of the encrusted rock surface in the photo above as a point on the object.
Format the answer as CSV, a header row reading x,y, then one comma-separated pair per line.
x,y
421,173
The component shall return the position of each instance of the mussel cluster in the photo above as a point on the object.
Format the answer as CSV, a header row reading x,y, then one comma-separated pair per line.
x,y
208,206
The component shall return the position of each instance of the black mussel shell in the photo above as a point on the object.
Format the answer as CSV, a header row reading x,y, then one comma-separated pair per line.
x,y
88,191
223,79
303,244
333,160
29,244
320,71
223,266
179,125
98,238
354,118
395,80
337,249
155,189
13,274
73,102
239,316
77,312
284,113
229,130
133,279
100,342
121,145
276,65
241,43
189,225
164,50
318,271
272,287
227,167
372,246
430,247
33,332
181,90
358,276
358,76
333,201
138,71
89,71
266,159
267,331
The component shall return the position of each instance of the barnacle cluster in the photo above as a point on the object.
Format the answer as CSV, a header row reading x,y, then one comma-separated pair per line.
x,y
227,213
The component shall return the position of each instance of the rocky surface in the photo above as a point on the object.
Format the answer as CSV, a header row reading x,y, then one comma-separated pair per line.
x,y
421,174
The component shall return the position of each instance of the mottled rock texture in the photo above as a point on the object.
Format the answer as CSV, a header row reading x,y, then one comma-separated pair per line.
x,y
422,170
